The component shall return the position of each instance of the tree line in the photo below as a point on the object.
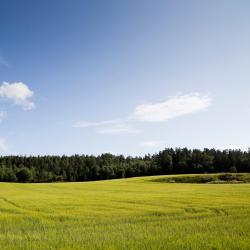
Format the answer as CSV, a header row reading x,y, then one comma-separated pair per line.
x,y
108,166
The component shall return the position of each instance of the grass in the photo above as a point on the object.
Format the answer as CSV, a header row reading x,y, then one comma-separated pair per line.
x,y
135,213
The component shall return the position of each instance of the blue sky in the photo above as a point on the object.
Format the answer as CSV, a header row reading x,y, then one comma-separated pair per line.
x,y
127,77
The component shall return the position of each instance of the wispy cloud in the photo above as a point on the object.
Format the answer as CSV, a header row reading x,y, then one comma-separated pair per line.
x,y
119,128
19,93
109,127
152,144
84,124
152,112
172,108
3,62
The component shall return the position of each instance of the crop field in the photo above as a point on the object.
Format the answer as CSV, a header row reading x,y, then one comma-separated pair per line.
x,y
136,213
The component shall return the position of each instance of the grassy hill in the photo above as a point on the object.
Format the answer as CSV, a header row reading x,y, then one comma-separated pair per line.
x,y
136,213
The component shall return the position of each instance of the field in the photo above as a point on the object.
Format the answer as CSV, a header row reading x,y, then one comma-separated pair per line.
x,y
136,213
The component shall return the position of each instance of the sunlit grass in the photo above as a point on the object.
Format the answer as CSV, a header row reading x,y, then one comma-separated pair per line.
x,y
135,213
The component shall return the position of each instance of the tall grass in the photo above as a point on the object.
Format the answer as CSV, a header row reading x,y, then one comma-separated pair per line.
x,y
134,213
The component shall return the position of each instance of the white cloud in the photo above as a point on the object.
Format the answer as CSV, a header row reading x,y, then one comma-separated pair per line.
x,y
19,93
152,144
172,108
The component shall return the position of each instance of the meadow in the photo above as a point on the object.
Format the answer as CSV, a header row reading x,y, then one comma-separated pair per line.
x,y
135,213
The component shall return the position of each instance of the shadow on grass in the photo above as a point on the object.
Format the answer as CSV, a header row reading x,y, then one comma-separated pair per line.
x,y
207,178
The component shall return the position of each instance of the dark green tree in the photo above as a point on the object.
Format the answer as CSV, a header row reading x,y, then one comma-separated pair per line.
x,y
24,175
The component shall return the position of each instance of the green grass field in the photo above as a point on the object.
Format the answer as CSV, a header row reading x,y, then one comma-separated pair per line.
x,y
135,213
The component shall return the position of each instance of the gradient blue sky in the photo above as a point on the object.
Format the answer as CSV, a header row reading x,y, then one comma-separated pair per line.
x,y
127,77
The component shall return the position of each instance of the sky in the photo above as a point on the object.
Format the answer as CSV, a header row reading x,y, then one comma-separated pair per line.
x,y
126,77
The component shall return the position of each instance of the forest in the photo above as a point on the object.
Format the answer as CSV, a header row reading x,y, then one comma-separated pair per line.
x,y
107,166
